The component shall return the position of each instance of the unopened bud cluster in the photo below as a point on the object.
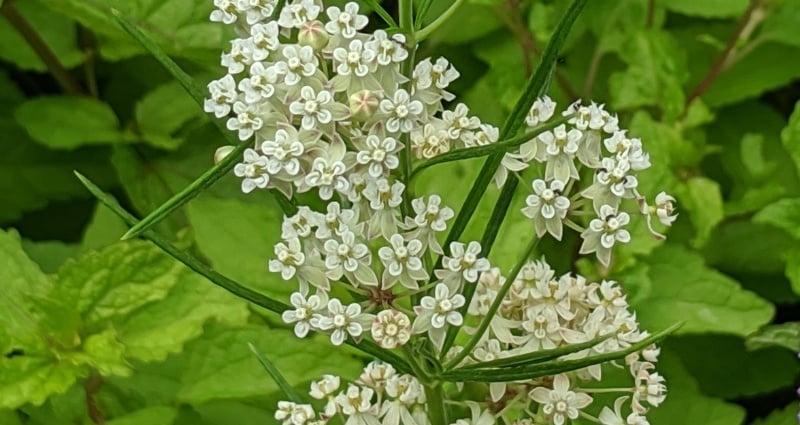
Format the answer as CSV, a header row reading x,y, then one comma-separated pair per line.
x,y
329,110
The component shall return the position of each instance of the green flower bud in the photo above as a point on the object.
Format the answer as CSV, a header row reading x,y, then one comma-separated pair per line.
x,y
313,34
363,104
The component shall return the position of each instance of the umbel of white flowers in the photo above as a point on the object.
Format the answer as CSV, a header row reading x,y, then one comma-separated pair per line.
x,y
329,111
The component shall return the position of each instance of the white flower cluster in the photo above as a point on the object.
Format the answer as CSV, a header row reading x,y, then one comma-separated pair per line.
x,y
380,396
589,138
329,112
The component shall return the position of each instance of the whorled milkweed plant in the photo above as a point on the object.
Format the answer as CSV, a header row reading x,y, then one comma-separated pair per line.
x,y
321,106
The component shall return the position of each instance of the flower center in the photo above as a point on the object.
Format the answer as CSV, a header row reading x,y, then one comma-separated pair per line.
x,y
311,106
401,111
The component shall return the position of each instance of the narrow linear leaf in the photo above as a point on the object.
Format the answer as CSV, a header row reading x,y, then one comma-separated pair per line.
x,y
229,285
537,356
211,175
551,367
276,375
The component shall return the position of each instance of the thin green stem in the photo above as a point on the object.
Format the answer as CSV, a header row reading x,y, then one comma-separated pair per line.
x,y
276,375
382,13
494,307
428,30
406,11
437,411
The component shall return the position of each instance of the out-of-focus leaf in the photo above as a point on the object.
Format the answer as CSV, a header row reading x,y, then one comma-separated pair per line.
x,y
674,285
712,358
220,365
66,122
748,248
785,416
749,78
708,8
782,23
104,229
793,269
701,196
7,416
162,113
786,335
791,136
470,22
655,74
50,255
153,415
783,214
57,31
506,76
220,412
224,230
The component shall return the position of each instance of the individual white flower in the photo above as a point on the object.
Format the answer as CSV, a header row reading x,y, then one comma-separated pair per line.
x,y
240,56
301,224
547,207
560,403
434,313
297,13
542,110
591,120
254,171
431,218
327,173
628,148
290,413
376,375
389,49
612,182
248,120
603,232
342,321
457,123
225,12
304,311
347,22
324,387
317,109
223,95
257,10
345,256
429,141
649,387
665,209
402,262
355,59
613,417
384,201
463,262
300,62
485,135
379,155
403,113
542,330
561,146
391,329
289,258
356,405
260,84
264,38
404,392
430,80
336,222
286,149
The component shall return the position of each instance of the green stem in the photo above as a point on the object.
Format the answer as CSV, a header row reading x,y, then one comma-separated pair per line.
x,y
494,307
406,10
428,30
437,411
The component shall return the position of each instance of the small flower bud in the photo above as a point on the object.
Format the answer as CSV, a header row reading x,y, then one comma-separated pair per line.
x,y
363,104
222,152
312,33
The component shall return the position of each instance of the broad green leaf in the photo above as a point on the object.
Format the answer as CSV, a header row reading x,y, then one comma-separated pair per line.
x,y
104,229
708,8
785,416
655,74
32,378
104,353
50,255
791,136
701,196
238,238
793,269
163,112
153,415
7,416
673,284
783,214
31,175
220,412
158,329
782,23
66,122
469,22
506,75
10,94
786,335
116,281
58,33
711,358
686,403
220,365
744,247
748,78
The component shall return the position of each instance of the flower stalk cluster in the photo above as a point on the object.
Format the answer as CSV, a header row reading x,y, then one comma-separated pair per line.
x,y
333,111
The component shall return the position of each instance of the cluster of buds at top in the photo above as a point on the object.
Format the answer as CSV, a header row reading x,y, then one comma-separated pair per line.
x,y
328,110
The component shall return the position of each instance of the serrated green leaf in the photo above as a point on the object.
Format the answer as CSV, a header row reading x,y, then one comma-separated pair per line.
x,y
785,416
748,78
162,112
220,365
786,335
32,379
115,281
105,354
708,8
655,75
224,230
58,33
153,415
66,122
159,329
701,196
711,358
790,136
783,214
674,284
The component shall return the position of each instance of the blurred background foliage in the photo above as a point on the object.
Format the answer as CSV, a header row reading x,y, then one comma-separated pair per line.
x,y
93,330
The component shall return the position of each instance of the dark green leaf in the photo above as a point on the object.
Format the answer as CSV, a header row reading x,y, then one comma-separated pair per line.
x,y
786,335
